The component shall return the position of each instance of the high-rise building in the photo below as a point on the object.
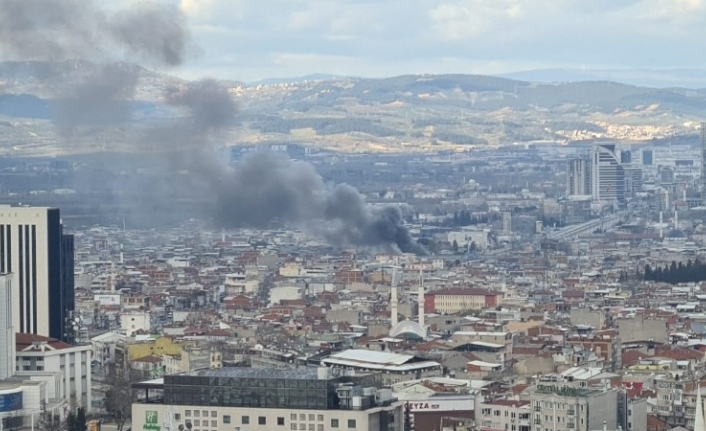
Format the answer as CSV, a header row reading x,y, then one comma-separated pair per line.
x,y
7,332
39,256
608,174
578,180
647,156
703,162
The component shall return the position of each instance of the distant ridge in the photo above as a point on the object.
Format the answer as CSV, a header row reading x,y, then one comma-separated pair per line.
x,y
654,78
312,77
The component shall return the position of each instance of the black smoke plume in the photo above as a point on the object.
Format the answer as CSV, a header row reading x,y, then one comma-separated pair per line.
x,y
149,33
261,189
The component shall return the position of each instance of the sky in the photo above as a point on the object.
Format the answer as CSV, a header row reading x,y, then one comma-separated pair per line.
x,y
255,39
250,40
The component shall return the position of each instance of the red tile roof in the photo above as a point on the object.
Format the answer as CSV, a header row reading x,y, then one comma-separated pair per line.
x,y
23,341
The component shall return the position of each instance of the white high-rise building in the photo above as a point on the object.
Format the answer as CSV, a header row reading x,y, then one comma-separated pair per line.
x,y
608,174
39,257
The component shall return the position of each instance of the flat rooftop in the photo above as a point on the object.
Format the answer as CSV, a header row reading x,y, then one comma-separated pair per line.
x,y
257,373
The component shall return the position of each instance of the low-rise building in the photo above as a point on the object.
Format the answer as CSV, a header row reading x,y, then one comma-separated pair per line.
x,y
230,399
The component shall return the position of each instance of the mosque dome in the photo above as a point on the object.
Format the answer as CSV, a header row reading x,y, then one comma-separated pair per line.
x,y
408,329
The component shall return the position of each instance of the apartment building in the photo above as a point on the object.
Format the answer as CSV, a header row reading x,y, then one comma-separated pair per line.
x,y
560,406
504,415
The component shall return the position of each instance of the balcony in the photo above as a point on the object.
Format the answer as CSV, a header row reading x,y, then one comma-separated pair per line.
x,y
537,409
571,412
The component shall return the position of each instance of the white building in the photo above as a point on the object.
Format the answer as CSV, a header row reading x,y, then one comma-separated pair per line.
x,y
103,348
608,174
394,367
134,322
65,368
7,332
39,256
504,415
229,399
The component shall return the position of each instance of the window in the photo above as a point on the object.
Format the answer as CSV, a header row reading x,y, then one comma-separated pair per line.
x,y
214,414
197,413
204,413
214,424
320,427
293,416
334,423
312,427
226,419
261,420
311,417
320,418
40,368
302,427
293,426
197,422
245,420
302,417
280,421
351,423
177,417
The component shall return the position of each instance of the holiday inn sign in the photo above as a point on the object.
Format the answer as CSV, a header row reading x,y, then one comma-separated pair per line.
x,y
151,421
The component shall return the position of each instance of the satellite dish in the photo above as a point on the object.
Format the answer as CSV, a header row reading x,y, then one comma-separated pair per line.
x,y
181,427
188,425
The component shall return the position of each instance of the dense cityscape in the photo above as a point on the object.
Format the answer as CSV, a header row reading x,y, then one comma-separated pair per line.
x,y
419,252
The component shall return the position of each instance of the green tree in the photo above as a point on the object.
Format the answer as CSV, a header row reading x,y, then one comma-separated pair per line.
x,y
454,246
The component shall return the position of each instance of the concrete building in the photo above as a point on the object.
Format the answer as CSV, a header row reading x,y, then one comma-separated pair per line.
x,y
559,406
454,300
34,249
578,178
504,415
7,332
46,359
608,174
135,322
230,399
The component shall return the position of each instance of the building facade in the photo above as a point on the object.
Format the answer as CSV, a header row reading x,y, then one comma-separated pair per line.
x,y
558,406
608,174
578,179
7,332
39,256
455,300
242,399
67,367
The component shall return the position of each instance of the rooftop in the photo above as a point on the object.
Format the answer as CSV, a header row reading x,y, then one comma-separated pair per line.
x,y
258,373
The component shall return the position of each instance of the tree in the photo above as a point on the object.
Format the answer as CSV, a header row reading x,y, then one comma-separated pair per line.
x,y
454,246
76,420
51,419
119,397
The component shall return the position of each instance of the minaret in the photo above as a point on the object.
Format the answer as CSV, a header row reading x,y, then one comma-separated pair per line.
x,y
420,301
420,298
699,424
676,219
393,298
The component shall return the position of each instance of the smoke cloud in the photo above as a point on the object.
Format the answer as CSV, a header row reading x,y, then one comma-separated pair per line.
x,y
149,33
261,189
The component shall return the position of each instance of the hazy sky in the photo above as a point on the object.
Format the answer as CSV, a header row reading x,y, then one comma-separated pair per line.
x,y
254,39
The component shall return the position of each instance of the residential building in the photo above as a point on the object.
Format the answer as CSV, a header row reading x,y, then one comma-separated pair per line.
x,y
43,358
578,178
7,332
305,399
504,415
560,406
34,249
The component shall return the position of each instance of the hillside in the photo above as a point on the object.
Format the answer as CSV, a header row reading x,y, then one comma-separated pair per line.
x,y
404,113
